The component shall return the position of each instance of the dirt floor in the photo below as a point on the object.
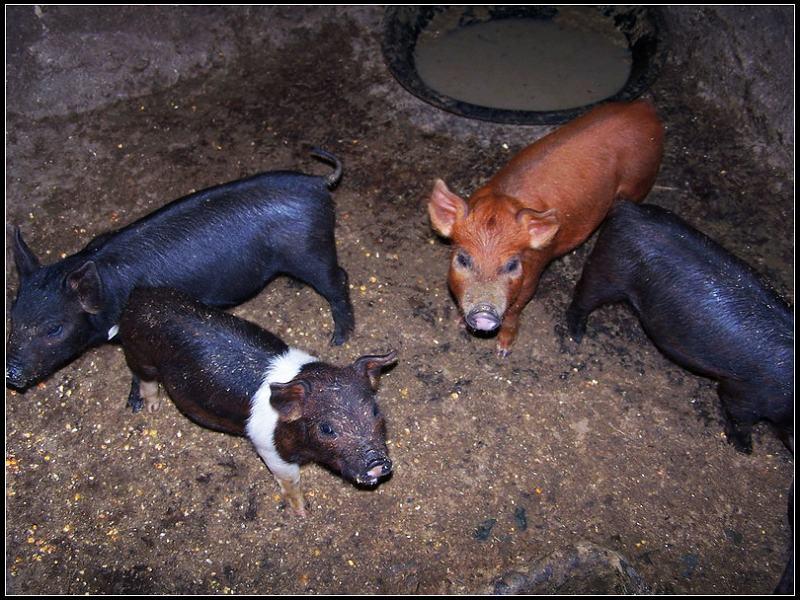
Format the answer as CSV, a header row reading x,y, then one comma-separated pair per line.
x,y
498,462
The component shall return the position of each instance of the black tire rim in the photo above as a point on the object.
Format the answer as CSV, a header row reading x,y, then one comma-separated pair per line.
x,y
643,27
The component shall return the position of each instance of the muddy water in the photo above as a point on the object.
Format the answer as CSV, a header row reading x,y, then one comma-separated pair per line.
x,y
526,64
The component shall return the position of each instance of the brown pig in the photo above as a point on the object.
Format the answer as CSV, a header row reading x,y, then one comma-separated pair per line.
x,y
545,202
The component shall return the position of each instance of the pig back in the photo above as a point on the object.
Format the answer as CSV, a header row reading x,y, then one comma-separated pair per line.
x,y
704,307
210,363
223,244
613,152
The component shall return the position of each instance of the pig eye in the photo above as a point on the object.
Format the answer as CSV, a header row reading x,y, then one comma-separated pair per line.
x,y
512,265
327,430
463,259
55,330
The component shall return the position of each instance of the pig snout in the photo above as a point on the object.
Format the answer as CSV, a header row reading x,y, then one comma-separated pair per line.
x,y
379,468
377,465
483,317
483,305
15,373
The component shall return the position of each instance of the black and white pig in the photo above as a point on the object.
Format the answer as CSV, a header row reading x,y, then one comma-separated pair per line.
x,y
221,245
230,375
704,308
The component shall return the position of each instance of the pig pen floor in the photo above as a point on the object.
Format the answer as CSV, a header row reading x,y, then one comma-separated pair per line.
x,y
499,463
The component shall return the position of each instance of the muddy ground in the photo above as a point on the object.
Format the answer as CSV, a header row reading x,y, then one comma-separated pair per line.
x,y
498,462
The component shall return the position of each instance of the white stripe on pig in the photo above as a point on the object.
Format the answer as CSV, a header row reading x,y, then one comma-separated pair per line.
x,y
263,419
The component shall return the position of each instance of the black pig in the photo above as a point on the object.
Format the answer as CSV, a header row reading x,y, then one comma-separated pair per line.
x,y
221,245
704,308
232,376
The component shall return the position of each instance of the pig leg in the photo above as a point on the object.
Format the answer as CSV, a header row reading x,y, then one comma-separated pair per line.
x,y
510,325
134,397
508,332
331,282
593,290
339,298
144,394
577,315
152,396
292,494
739,419
286,474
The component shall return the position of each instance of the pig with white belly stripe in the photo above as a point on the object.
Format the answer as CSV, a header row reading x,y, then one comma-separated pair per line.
x,y
230,375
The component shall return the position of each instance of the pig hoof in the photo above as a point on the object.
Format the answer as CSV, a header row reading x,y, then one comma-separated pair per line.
x,y
136,403
151,392
153,404
341,332
297,507
566,343
292,496
575,331
576,325
742,444
738,435
503,352
337,339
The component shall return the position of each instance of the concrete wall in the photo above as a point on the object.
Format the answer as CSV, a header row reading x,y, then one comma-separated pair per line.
x,y
741,60
62,59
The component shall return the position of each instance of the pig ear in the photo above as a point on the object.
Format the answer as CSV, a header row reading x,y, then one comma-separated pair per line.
x,y
25,260
372,365
288,399
445,208
541,226
85,282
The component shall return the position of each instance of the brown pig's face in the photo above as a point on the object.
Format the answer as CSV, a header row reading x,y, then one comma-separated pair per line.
x,y
488,264
494,251
335,419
